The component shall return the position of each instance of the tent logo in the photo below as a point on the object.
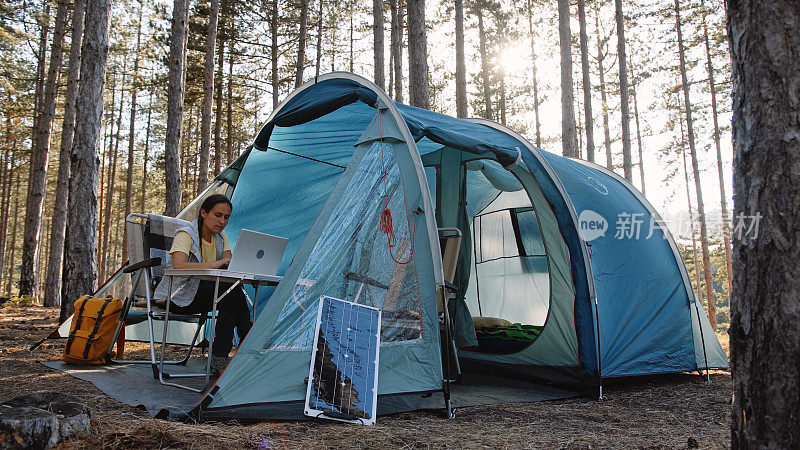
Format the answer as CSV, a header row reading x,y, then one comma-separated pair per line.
x,y
592,224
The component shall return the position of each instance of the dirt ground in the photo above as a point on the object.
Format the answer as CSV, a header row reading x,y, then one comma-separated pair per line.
x,y
676,411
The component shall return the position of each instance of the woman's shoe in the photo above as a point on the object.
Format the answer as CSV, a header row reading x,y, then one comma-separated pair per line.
x,y
218,364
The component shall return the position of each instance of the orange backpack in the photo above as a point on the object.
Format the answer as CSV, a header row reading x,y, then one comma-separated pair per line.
x,y
92,330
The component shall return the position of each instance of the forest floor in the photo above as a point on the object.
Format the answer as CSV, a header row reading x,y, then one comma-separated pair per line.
x,y
676,411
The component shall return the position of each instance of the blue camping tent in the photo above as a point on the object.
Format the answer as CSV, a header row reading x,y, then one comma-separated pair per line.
x,y
566,272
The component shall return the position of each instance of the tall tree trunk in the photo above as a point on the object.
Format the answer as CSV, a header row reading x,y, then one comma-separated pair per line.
x,y
764,40
462,108
502,104
723,199
81,262
132,129
11,258
377,42
208,97
352,41
529,9
8,163
301,44
319,39
105,152
218,94
229,122
419,94
697,281
627,164
601,55
52,287
397,47
112,179
41,67
273,29
146,155
175,88
488,113
569,138
638,138
37,183
712,313
587,83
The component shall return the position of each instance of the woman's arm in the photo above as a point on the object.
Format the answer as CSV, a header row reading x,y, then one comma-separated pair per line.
x,y
180,260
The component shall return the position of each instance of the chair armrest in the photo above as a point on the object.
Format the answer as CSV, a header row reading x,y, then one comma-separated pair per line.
x,y
151,262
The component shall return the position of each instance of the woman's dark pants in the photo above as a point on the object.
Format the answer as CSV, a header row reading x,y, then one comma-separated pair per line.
x,y
232,312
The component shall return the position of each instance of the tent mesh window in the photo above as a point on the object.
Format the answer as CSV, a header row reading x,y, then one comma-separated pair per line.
x,y
352,260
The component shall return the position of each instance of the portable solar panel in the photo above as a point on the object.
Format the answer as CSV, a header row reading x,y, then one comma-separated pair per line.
x,y
343,378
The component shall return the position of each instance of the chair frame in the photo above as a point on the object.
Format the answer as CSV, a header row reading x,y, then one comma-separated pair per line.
x,y
144,268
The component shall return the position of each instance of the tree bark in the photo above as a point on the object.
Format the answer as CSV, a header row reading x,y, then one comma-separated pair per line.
x,y
701,215
462,108
11,258
419,94
319,40
488,112
601,55
218,94
638,139
146,155
627,164
175,89
53,281
229,112
208,97
112,181
5,205
723,199
533,72
377,43
764,42
697,282
81,260
569,138
132,129
587,83
301,44
273,30
37,183
397,47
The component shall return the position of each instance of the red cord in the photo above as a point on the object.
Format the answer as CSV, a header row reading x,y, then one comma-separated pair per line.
x,y
386,222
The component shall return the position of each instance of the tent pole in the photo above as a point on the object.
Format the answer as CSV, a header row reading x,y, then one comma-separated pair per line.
x,y
703,342
446,369
600,398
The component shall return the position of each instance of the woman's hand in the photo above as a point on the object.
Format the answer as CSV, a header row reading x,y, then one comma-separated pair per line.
x,y
223,263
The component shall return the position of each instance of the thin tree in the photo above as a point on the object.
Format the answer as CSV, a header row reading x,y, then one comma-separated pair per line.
x,y
723,199
461,67
132,126
569,138
301,44
81,258
601,55
218,94
419,94
146,155
529,10
37,182
587,83
397,47
273,30
765,322
627,164
319,39
13,246
175,90
229,106
701,215
377,42
52,286
208,97
488,112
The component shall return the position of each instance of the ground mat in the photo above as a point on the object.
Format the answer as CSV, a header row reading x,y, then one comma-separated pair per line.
x,y
133,384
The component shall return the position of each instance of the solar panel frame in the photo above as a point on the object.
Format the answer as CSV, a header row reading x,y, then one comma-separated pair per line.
x,y
319,381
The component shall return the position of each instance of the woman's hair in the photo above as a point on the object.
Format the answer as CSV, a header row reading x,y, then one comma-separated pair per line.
x,y
208,205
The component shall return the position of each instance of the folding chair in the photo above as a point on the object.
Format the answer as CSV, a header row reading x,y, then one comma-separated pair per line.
x,y
149,239
450,242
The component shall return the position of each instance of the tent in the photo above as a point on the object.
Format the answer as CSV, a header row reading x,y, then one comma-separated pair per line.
x,y
574,268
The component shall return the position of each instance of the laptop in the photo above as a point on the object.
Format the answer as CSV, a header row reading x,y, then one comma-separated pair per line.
x,y
257,253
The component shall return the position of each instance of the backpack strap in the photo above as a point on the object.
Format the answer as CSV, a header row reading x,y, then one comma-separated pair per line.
x,y
77,324
96,327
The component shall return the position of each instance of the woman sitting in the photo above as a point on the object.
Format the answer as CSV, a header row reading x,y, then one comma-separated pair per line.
x,y
203,245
